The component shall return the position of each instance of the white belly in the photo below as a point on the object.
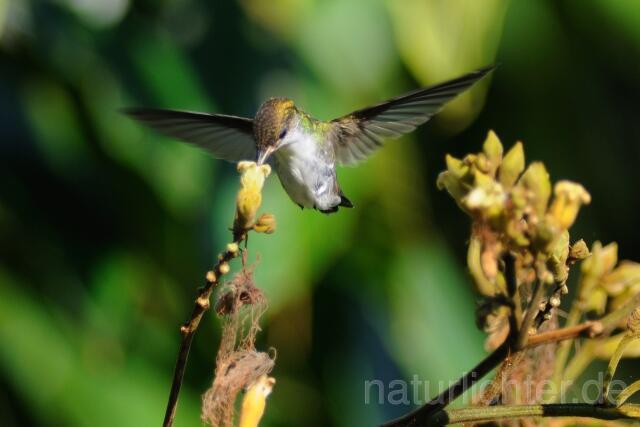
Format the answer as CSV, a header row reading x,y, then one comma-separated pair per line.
x,y
309,182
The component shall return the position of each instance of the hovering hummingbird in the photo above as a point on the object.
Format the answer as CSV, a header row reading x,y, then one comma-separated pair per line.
x,y
303,150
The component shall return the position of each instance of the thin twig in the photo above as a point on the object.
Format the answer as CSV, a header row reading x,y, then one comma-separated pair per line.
x,y
589,329
530,316
421,415
188,329
515,314
492,413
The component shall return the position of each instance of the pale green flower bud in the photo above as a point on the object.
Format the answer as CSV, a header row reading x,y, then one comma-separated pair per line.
x,y
512,166
536,180
492,149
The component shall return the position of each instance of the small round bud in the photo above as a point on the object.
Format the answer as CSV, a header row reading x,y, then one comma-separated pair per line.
x,y
224,268
203,302
596,329
232,248
554,301
547,277
211,276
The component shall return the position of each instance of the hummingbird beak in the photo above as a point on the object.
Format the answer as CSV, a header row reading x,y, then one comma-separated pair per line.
x,y
264,153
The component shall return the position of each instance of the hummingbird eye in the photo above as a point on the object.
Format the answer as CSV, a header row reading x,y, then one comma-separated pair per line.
x,y
283,133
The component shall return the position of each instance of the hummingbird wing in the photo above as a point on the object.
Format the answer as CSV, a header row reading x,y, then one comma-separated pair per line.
x,y
357,135
225,137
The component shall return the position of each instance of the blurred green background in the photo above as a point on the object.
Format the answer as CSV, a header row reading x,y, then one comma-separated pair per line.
x,y
106,229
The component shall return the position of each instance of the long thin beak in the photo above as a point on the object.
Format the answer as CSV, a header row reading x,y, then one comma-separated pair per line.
x,y
264,154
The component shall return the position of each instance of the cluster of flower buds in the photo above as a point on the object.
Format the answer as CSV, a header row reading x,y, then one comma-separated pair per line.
x,y
513,210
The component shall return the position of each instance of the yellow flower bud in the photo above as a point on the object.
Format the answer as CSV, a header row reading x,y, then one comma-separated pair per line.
x,y
569,197
597,301
224,268
265,224
232,248
623,277
456,167
601,261
254,401
453,178
211,277
249,196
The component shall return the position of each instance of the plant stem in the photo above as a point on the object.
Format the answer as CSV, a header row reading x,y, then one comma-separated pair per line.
x,y
529,317
579,362
421,415
492,413
188,329
614,361
589,329
562,355
515,315
628,392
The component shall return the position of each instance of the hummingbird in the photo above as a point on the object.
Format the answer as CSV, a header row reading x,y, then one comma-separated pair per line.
x,y
303,150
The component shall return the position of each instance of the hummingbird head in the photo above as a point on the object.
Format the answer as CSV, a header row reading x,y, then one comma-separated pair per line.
x,y
273,121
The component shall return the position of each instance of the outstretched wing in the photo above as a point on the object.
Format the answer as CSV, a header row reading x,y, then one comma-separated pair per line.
x,y
357,135
225,137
